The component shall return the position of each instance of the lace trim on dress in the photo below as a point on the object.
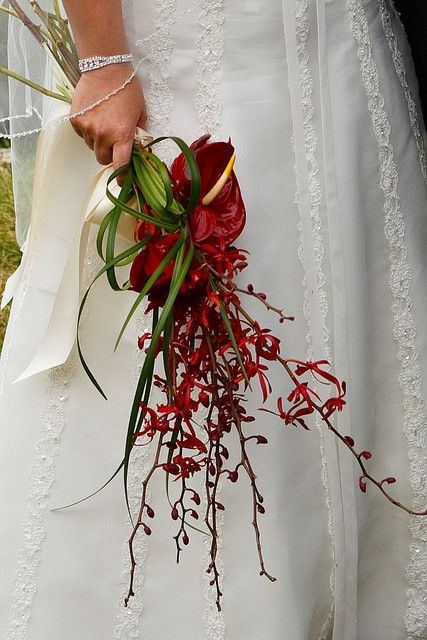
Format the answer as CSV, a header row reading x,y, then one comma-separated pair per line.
x,y
128,618
209,109
160,101
315,189
40,482
210,50
158,48
404,328
399,65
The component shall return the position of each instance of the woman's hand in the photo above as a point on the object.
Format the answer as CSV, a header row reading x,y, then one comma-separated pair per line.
x,y
109,128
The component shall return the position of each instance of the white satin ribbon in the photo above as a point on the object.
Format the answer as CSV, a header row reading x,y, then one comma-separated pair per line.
x,y
57,240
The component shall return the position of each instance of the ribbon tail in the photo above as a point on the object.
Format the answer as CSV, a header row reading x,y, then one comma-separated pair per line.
x,y
60,335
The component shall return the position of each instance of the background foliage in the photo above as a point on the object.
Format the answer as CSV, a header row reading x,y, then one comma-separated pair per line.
x,y
9,251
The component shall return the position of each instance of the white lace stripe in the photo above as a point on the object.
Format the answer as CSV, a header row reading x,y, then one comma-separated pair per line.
x,y
399,64
160,101
209,109
313,273
40,482
404,327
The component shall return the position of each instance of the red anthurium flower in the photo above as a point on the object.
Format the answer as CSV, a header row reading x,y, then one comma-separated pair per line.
x,y
220,215
149,259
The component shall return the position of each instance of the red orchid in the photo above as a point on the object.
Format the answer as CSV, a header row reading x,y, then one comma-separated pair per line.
x,y
220,215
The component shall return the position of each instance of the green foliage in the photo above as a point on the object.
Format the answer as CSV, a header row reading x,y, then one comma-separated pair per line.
x,y
9,250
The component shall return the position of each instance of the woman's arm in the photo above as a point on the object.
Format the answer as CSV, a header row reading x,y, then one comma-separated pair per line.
x,y
109,128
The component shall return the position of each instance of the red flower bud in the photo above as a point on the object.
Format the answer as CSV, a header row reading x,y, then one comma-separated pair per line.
x,y
365,454
261,440
150,512
174,513
362,484
185,539
389,480
146,529
196,498
260,508
194,514
220,506
233,476
349,440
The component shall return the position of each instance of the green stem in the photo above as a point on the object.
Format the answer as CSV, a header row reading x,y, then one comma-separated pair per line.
x,y
33,85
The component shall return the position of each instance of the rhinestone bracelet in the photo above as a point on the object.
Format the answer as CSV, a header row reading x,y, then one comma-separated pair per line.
x,y
96,62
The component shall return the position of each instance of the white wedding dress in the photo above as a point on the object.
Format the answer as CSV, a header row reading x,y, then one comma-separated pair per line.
x,y
321,105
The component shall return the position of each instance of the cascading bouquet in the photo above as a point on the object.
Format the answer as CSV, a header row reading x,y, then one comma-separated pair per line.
x,y
205,352
211,351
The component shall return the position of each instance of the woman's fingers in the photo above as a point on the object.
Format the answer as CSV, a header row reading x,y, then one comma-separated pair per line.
x,y
103,151
121,155
122,150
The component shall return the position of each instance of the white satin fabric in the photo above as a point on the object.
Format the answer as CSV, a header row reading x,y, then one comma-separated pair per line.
x,y
332,165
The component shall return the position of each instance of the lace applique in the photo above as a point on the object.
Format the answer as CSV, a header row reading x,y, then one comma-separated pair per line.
x,y
404,329
209,108
210,51
315,189
160,99
128,618
399,65
40,482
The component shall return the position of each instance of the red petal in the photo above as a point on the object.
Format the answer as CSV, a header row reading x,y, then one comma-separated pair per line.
x,y
212,160
137,274
202,223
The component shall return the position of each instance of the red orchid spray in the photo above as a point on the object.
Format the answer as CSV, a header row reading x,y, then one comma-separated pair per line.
x,y
205,352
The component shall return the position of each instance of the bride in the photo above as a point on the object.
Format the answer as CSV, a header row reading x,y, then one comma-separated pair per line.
x,y
321,103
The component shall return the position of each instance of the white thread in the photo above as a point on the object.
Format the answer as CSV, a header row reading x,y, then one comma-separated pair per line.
x,y
399,65
404,329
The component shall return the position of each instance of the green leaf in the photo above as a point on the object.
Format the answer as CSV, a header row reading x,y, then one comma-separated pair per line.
x,y
149,360
150,282
132,251
193,169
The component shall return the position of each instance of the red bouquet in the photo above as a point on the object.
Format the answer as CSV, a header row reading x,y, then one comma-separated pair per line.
x,y
205,352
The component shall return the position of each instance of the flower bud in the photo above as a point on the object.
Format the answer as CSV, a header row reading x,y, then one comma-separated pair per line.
x,y
261,440
196,498
233,476
185,539
174,513
362,484
220,506
150,512
146,529
349,440
260,508
365,454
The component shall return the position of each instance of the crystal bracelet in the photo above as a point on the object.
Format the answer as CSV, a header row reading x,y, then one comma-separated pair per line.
x,y
96,62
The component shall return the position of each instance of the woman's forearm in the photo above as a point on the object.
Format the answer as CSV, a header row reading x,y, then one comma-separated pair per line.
x,y
109,127
97,26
